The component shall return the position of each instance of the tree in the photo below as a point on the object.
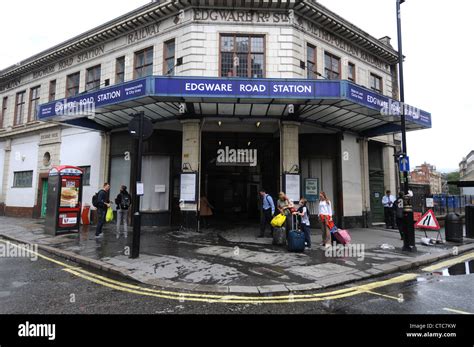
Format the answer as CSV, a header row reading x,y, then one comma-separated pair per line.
x,y
453,176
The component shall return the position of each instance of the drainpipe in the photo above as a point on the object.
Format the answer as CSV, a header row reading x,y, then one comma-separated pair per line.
x,y
363,160
198,204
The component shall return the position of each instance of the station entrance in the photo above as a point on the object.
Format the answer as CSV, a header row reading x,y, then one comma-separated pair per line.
x,y
235,166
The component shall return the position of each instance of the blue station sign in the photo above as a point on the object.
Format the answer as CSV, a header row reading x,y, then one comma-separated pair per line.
x,y
387,106
81,105
284,90
247,88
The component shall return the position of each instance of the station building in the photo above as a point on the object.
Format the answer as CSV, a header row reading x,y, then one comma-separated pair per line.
x,y
243,95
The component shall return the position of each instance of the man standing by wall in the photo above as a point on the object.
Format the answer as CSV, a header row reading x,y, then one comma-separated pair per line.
x,y
268,210
388,201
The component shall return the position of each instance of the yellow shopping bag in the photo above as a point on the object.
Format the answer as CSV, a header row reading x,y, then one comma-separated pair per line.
x,y
278,220
110,215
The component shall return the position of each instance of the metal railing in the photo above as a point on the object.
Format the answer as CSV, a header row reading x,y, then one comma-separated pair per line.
x,y
442,203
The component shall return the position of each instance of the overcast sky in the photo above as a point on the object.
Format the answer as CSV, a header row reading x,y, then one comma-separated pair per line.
x,y
436,42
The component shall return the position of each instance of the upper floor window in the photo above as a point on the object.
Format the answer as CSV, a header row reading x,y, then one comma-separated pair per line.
x,y
120,70
311,61
376,83
169,58
242,56
351,72
72,84
52,91
332,66
20,108
143,63
3,115
34,102
93,78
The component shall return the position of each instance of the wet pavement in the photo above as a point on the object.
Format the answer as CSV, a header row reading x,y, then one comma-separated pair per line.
x,y
43,287
229,260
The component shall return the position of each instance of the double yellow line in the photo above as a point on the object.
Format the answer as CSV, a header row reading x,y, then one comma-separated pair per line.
x,y
223,298
449,262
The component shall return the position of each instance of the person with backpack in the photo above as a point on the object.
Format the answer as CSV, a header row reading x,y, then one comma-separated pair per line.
x,y
398,205
303,215
268,210
123,202
101,201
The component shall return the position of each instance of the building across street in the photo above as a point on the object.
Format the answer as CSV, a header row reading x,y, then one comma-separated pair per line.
x,y
427,174
466,173
305,100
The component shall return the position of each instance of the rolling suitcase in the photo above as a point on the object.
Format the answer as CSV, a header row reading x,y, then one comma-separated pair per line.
x,y
342,236
296,240
279,236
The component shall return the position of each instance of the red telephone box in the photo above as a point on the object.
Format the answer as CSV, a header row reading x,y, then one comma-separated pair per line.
x,y
63,210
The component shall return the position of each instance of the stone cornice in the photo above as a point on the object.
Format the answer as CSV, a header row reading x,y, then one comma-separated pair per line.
x,y
159,10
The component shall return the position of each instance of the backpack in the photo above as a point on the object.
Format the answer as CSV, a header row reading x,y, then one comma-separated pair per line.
x,y
266,198
300,210
95,200
124,201
398,208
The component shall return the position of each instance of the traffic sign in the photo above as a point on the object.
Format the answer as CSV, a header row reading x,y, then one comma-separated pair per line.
x,y
405,164
134,128
428,221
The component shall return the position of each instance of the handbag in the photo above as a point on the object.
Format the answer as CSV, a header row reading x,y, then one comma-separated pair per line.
x,y
109,216
278,220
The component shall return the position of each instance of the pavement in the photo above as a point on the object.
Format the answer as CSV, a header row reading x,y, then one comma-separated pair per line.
x,y
232,260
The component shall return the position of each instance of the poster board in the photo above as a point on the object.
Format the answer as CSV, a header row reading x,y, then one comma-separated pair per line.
x,y
188,187
292,186
311,189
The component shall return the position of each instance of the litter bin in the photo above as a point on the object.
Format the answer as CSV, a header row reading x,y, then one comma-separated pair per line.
x,y
454,227
470,221
85,215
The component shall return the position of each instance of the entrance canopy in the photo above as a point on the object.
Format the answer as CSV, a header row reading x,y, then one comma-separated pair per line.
x,y
336,105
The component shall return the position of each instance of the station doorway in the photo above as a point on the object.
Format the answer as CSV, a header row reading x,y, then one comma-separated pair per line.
x,y
376,181
235,166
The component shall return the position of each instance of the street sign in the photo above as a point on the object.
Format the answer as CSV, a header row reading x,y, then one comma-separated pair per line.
x,y
134,125
405,164
429,202
428,221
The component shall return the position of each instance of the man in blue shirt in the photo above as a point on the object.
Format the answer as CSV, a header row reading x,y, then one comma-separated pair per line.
x,y
268,210
389,212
